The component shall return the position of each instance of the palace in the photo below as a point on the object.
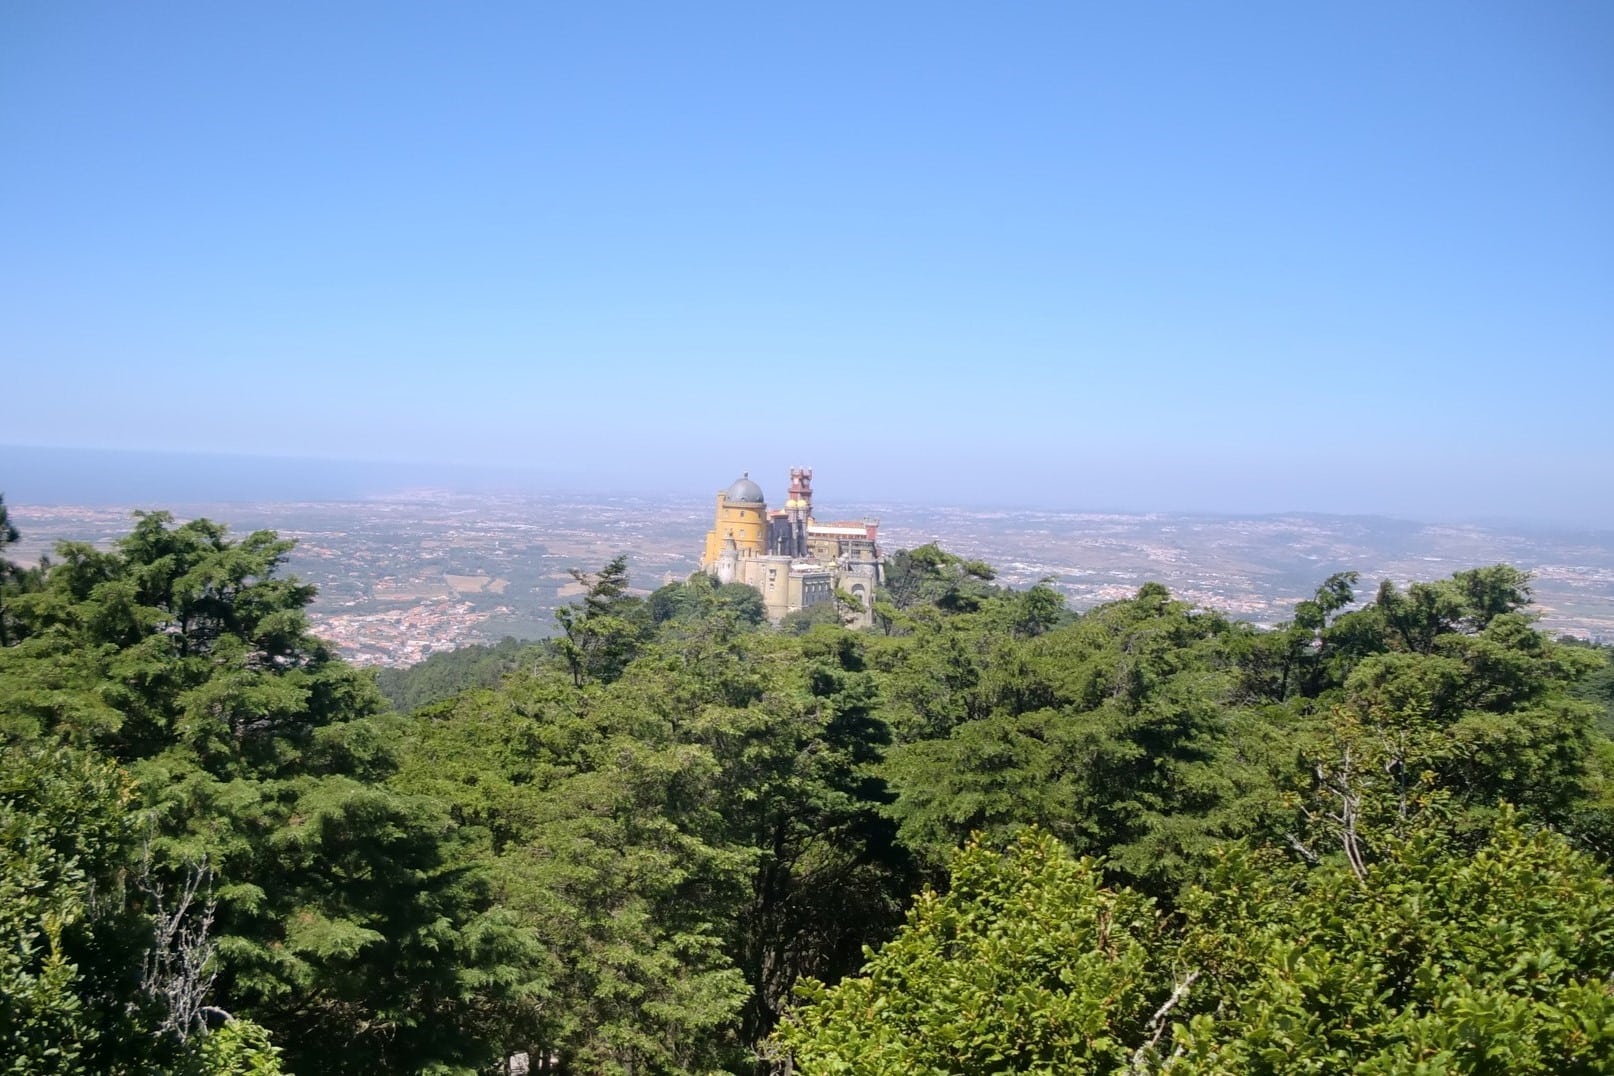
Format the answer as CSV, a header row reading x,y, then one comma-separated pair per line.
x,y
790,558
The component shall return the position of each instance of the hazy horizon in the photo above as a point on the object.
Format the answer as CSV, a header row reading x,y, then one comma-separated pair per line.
x,y
31,474
1349,258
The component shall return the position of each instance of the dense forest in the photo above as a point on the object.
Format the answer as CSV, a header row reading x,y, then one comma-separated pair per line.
x,y
990,835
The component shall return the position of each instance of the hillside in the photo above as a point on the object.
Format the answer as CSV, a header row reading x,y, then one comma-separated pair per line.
x,y
992,834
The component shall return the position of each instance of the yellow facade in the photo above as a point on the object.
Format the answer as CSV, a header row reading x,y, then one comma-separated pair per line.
x,y
747,524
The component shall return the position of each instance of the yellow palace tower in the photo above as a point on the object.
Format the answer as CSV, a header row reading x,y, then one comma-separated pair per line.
x,y
741,516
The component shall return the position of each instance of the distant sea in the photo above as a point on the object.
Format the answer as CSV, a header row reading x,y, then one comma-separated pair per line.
x,y
102,477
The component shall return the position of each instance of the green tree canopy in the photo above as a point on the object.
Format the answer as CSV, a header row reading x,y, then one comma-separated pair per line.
x,y
185,655
1434,961
1367,837
1026,964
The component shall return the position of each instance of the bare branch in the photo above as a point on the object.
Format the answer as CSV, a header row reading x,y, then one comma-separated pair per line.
x,y
1305,853
1140,1057
178,968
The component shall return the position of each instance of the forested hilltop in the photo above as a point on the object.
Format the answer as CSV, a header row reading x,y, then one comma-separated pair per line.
x,y
989,835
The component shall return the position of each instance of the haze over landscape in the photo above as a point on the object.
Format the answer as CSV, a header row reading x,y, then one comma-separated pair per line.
x,y
1167,258
407,567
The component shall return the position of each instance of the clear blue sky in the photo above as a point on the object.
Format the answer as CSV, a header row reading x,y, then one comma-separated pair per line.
x,y
1248,256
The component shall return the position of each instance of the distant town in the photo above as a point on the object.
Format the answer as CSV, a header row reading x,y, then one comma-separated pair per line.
x,y
407,575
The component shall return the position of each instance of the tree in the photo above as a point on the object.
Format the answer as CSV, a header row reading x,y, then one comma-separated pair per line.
x,y
1467,603
80,916
1477,715
1026,964
1297,659
591,816
447,673
1431,960
930,575
701,596
1598,686
1039,609
802,621
184,655
178,637
8,531
797,787
360,941
1435,959
236,1048
15,579
743,602
1108,732
66,941
601,634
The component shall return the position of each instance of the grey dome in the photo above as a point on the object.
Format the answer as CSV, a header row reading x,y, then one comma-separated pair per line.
x,y
744,491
